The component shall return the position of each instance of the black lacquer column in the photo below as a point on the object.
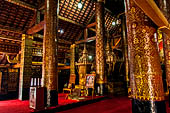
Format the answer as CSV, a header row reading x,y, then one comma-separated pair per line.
x,y
145,69
25,68
125,50
49,68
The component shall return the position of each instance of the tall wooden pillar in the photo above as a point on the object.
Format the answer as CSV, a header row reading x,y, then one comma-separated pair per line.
x,y
50,75
100,46
125,49
145,70
165,8
72,60
25,69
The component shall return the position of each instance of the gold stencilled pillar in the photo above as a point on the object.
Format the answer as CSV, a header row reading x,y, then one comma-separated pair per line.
x,y
145,69
72,63
100,46
72,60
49,68
165,8
25,68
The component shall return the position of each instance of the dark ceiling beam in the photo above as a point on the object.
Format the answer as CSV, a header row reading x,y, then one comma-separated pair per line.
x,y
70,21
9,43
40,26
9,38
86,40
59,40
91,25
22,4
10,30
36,28
64,41
92,29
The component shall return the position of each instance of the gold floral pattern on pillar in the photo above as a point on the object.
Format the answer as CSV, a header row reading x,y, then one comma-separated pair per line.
x,y
99,43
165,8
167,57
145,69
72,60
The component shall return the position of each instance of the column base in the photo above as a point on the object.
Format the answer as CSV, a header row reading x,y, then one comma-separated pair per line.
x,y
51,98
23,94
139,106
100,89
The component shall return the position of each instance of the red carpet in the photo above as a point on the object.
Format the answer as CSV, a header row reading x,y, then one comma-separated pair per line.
x,y
114,105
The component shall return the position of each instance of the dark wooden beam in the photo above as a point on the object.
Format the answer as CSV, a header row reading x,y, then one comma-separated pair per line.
x,y
10,38
59,40
40,26
63,67
64,41
91,25
11,30
36,28
22,4
86,40
71,21
92,29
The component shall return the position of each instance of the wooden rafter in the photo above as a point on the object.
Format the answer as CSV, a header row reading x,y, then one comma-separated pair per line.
x,y
10,29
70,21
91,25
36,28
10,38
86,40
40,26
23,4
59,40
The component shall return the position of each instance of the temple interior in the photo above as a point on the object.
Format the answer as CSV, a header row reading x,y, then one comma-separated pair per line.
x,y
55,54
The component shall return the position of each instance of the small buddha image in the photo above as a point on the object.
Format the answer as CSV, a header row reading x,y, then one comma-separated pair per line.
x,y
90,81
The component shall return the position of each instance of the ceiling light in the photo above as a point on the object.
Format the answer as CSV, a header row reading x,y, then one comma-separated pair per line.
x,y
61,31
80,5
113,23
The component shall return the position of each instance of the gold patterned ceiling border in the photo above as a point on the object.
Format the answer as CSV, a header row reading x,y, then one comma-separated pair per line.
x,y
23,4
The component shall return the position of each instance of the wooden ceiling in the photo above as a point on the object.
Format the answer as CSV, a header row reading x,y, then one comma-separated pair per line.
x,y
17,16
